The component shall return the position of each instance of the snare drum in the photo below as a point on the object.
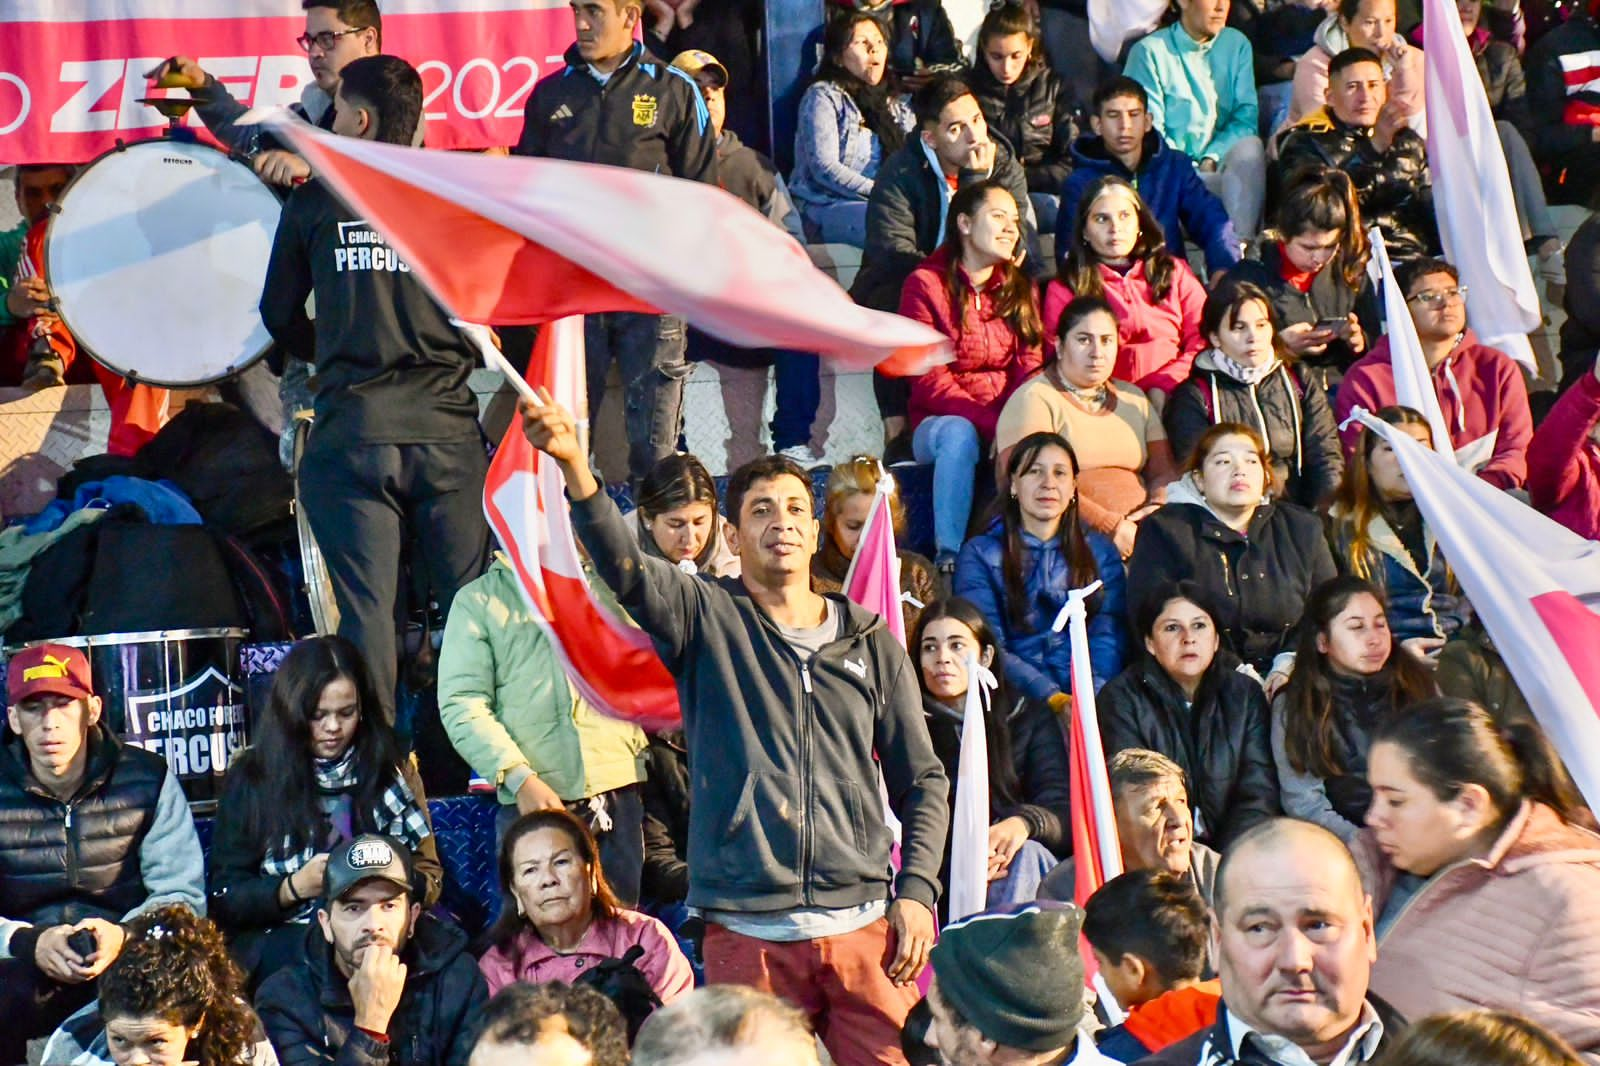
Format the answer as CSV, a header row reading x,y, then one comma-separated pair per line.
x,y
179,693
156,254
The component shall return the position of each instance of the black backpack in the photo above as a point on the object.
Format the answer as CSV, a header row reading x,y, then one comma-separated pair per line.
x,y
625,985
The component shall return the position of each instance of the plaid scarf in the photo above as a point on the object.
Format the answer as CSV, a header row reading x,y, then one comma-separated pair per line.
x,y
397,813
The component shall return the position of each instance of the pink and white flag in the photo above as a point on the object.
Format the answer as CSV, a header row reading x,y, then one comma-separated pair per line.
x,y
613,665
1533,582
1413,381
873,580
549,238
969,819
1472,189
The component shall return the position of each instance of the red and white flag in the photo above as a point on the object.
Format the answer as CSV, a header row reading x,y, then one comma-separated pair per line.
x,y
1533,582
1472,189
613,665
514,241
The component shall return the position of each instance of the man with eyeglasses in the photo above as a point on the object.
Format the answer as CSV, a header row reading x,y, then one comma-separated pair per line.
x,y
336,32
1481,390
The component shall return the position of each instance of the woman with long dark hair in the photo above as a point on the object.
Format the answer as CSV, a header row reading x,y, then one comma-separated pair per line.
x,y
1019,570
1187,699
1482,885
1029,803
852,118
323,767
559,917
1126,459
677,517
172,996
1348,674
1256,559
1313,267
846,505
1379,535
1118,253
972,291
1248,375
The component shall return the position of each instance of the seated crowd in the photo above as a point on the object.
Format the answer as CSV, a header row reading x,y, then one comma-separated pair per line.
x,y
1344,837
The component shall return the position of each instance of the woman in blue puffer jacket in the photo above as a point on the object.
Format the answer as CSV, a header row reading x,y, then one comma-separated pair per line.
x,y
1019,570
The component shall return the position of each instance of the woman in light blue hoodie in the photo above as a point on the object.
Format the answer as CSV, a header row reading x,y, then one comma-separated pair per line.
x,y
851,118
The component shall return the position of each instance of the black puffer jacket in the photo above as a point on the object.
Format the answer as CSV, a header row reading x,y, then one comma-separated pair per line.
x,y
307,1012
1359,704
1287,408
62,861
1036,118
1223,740
1329,297
1394,188
1035,789
665,793
1258,580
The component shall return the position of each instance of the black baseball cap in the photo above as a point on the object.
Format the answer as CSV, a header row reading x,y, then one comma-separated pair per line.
x,y
369,857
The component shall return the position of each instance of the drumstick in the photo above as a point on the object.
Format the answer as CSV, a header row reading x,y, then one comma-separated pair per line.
x,y
494,360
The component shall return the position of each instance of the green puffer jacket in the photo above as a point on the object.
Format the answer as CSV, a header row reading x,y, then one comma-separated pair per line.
x,y
509,708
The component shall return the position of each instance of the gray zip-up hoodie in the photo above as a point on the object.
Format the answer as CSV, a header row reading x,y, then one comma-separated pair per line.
x,y
784,811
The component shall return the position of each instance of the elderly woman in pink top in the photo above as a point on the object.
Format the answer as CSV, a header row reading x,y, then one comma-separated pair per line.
x,y
1119,254
559,918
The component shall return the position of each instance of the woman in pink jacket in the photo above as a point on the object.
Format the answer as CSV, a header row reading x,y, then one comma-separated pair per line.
x,y
1483,889
974,292
1119,254
1564,458
559,920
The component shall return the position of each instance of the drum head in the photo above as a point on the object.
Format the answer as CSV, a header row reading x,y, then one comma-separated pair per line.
x,y
156,257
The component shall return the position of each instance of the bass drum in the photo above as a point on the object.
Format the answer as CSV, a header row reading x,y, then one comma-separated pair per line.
x,y
315,582
156,254
176,692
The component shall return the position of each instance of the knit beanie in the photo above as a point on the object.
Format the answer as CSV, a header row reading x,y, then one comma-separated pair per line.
x,y
1015,974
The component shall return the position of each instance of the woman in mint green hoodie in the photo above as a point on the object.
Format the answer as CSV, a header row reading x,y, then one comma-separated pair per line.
x,y
1200,76
511,713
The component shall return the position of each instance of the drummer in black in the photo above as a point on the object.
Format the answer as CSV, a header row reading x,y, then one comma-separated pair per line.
x,y
92,832
395,457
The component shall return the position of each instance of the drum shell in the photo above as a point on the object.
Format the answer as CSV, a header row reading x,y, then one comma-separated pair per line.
x,y
179,693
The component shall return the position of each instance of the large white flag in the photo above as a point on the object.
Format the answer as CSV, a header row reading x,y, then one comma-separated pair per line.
x,y
1472,189
1533,582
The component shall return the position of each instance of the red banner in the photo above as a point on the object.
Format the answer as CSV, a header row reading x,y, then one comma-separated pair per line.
x,y
72,71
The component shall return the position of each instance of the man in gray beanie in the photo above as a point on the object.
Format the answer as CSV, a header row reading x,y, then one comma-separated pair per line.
x,y
1008,988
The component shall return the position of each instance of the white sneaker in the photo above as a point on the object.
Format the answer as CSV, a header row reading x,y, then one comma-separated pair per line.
x,y
802,454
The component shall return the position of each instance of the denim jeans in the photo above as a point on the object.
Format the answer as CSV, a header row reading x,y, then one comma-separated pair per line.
x,y
1046,207
840,223
951,444
1533,210
1022,878
649,352
799,388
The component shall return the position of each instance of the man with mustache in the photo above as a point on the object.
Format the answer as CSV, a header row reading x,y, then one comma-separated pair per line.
x,y
382,983
1292,936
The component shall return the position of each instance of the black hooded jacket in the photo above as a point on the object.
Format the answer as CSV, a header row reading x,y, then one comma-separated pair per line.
x,y
1035,116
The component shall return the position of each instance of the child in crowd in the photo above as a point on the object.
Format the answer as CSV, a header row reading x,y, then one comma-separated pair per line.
x,y
1148,930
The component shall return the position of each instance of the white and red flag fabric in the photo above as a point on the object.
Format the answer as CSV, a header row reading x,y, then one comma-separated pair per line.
x,y
1472,189
1533,582
514,241
613,665
1113,23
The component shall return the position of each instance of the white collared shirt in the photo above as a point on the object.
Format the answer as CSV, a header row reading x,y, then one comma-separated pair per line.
x,y
1361,1046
